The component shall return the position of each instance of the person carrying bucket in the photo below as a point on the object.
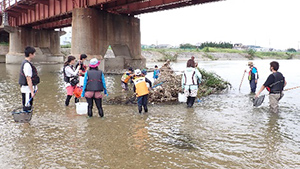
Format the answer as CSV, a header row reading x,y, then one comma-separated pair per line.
x,y
274,84
252,77
28,79
93,85
189,82
71,78
127,76
141,90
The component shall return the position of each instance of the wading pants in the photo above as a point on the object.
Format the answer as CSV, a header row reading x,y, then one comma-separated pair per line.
x,y
252,85
190,101
25,99
273,101
98,104
142,101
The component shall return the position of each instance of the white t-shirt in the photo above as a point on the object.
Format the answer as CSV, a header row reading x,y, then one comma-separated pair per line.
x,y
70,72
27,70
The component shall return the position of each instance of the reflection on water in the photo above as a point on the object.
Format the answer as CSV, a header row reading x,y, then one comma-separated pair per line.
x,y
222,131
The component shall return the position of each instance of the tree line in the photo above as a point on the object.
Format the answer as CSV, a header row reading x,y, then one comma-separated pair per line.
x,y
226,45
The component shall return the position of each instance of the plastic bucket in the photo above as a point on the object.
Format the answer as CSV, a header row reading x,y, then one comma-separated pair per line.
x,y
81,108
181,97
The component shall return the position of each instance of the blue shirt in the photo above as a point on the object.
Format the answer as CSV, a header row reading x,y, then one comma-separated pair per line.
x,y
155,74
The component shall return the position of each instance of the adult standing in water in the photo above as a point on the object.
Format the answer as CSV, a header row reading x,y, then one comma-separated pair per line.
x,y
189,82
274,84
71,78
141,90
28,79
93,85
252,77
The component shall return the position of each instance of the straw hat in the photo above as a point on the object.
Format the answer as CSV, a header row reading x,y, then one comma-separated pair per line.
x,y
250,63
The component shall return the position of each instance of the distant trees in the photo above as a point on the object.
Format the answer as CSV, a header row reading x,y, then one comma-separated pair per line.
x,y
291,50
207,44
187,46
216,45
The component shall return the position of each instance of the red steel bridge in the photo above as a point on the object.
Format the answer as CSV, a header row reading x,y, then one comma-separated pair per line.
x,y
49,14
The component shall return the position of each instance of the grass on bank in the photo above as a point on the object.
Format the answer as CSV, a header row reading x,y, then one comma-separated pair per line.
x,y
207,50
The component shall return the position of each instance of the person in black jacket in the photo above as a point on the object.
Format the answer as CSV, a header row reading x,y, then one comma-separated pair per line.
x,y
93,85
274,84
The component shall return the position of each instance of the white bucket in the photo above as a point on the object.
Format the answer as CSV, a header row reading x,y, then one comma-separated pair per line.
x,y
181,97
81,108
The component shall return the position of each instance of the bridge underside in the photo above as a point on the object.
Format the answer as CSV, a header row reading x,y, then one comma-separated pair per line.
x,y
96,25
46,42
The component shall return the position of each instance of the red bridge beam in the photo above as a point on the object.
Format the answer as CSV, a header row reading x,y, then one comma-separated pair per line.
x,y
156,5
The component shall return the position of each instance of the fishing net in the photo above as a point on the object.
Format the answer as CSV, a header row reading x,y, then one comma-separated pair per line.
x,y
21,116
258,100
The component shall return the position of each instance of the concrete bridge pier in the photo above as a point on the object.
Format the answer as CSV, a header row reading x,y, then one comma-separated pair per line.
x,y
46,43
93,31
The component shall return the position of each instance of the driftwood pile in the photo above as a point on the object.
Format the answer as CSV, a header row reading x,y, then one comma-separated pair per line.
x,y
166,87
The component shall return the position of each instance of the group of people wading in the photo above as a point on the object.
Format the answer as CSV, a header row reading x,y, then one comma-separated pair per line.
x,y
274,84
92,85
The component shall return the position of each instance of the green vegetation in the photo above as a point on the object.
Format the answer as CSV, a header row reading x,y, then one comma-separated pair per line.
x,y
211,83
4,43
167,56
251,53
187,46
291,50
276,55
224,45
221,50
66,46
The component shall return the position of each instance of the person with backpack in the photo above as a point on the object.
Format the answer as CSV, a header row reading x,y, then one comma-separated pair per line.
x,y
28,79
71,78
274,84
252,77
189,82
93,85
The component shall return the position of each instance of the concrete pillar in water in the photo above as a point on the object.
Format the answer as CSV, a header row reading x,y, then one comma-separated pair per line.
x,y
46,43
93,31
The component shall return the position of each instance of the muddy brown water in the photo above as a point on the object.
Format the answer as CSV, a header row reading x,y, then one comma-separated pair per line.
x,y
221,131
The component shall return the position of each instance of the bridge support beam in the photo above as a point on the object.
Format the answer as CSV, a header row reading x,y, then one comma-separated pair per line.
x,y
93,31
46,43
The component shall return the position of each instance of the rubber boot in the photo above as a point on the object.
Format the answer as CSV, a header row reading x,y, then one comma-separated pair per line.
x,y
192,101
90,112
146,108
100,111
99,107
67,100
140,109
76,100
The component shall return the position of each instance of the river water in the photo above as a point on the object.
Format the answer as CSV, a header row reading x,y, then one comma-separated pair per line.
x,y
221,131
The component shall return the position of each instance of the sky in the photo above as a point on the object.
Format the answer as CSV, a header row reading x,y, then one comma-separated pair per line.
x,y
266,23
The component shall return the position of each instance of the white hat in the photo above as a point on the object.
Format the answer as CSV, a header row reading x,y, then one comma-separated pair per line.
x,y
137,72
94,62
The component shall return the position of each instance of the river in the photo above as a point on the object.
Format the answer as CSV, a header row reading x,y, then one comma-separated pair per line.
x,y
221,131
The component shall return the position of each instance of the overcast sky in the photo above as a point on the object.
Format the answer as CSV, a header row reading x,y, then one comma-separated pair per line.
x,y
267,23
